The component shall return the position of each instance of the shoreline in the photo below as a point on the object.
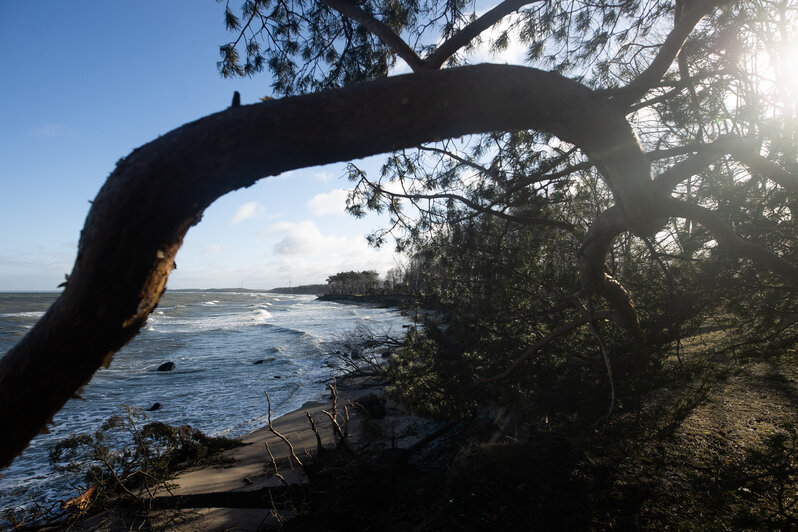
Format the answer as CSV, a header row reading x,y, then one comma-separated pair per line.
x,y
382,300
253,469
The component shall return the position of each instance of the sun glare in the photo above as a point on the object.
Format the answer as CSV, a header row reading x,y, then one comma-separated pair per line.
x,y
776,67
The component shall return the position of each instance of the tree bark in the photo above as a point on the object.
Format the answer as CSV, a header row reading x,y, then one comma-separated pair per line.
x,y
139,218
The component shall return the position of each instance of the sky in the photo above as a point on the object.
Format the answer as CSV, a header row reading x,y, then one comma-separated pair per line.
x,y
86,83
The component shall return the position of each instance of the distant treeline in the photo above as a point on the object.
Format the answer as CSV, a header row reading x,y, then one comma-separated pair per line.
x,y
308,289
359,286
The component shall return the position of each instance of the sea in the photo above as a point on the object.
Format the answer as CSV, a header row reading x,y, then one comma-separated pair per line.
x,y
228,347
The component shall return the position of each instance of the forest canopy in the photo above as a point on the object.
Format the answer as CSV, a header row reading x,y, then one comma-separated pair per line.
x,y
633,180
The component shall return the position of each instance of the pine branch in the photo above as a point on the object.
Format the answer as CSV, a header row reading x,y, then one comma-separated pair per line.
x,y
378,28
668,52
730,240
460,39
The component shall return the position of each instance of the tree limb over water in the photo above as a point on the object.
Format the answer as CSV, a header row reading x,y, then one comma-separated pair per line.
x,y
142,213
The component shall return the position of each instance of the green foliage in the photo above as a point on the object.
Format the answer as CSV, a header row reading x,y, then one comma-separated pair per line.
x,y
353,283
497,290
419,380
310,46
499,228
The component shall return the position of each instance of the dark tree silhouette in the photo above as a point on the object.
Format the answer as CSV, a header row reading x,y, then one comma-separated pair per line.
x,y
140,216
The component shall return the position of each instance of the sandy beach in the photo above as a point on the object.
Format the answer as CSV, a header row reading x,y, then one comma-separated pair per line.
x,y
252,468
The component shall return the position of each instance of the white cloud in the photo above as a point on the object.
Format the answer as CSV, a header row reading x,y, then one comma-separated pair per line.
x,y
247,210
323,176
300,251
213,249
333,202
304,241
304,238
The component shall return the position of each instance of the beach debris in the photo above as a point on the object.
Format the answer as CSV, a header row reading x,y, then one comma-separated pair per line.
x,y
166,366
248,481
81,502
274,464
279,435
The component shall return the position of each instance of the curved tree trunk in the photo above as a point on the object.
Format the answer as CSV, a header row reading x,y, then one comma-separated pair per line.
x,y
143,211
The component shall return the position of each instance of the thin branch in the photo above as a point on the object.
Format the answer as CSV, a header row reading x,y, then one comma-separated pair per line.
x,y
285,440
668,52
381,30
732,145
727,238
667,180
342,439
274,464
315,428
460,39
678,87
477,207
466,162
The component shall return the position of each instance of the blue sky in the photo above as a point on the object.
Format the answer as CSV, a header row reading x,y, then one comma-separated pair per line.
x,y
87,82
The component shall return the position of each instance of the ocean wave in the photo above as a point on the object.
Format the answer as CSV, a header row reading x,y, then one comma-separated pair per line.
x,y
30,315
285,330
263,314
215,386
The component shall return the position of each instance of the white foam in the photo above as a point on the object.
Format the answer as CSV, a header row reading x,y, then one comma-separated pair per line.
x,y
35,315
213,370
263,315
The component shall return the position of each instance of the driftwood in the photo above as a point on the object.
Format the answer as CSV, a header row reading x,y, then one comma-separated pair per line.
x,y
81,502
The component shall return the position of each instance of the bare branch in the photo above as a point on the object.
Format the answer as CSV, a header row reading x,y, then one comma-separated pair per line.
x,y
276,433
667,180
461,160
591,317
315,428
604,229
274,464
